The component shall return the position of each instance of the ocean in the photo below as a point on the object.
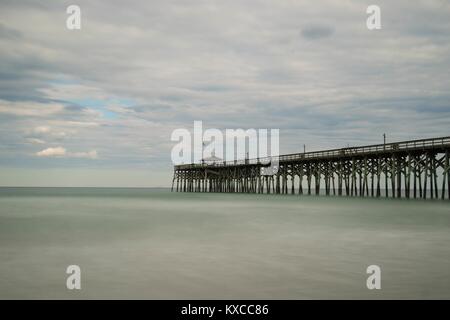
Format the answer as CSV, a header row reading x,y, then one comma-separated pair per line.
x,y
154,244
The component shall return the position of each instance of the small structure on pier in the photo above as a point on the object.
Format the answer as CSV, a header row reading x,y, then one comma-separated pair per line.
x,y
411,169
212,160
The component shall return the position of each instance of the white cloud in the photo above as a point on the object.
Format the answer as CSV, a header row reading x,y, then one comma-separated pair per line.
x,y
50,132
30,109
88,155
73,91
35,141
42,129
62,152
81,124
52,152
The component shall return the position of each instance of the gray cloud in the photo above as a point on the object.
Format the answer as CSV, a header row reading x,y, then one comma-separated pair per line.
x,y
137,71
9,33
316,32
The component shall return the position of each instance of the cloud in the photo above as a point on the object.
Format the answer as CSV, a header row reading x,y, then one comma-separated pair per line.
x,y
88,155
30,109
317,32
316,74
70,91
62,152
52,152
9,33
35,141
42,129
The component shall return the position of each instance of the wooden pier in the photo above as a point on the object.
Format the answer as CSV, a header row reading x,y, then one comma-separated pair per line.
x,y
410,169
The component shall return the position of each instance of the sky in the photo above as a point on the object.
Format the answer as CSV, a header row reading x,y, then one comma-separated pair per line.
x,y
97,106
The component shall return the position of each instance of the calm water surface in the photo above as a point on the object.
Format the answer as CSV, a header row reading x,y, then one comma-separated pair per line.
x,y
153,244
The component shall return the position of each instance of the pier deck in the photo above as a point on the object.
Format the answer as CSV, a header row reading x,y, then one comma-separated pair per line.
x,y
411,169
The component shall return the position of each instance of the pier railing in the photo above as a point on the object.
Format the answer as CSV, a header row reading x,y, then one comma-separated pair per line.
x,y
411,145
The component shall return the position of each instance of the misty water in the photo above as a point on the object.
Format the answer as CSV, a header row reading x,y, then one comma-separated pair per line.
x,y
154,244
